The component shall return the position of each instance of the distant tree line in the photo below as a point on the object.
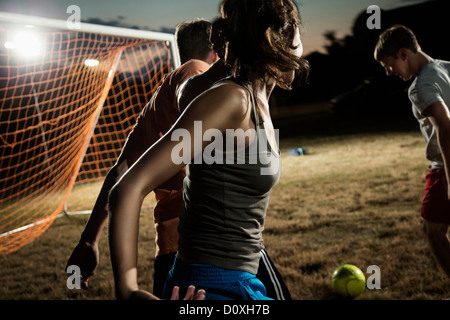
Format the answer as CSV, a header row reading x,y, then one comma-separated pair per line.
x,y
349,61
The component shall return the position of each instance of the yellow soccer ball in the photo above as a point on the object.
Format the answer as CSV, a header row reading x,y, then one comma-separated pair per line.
x,y
348,281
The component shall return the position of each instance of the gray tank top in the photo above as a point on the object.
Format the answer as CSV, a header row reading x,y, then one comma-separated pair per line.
x,y
226,202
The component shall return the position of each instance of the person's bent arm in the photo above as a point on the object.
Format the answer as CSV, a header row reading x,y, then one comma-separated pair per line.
x,y
85,255
440,118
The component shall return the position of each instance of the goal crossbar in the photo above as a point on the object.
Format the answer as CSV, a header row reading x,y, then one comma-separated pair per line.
x,y
93,28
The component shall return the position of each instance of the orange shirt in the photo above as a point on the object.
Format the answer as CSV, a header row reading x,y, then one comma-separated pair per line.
x,y
156,118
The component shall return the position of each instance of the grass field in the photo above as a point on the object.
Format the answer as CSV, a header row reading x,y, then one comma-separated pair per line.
x,y
354,199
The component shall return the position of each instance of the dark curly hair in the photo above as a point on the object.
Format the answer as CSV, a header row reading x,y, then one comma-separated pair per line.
x,y
258,37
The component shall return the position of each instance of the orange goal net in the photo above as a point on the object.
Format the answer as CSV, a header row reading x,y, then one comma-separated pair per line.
x,y
68,99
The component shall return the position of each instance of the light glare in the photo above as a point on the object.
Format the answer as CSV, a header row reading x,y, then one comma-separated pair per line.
x,y
91,62
26,44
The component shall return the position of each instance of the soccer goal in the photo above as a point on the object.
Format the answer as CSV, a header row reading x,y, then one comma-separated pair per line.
x,y
68,99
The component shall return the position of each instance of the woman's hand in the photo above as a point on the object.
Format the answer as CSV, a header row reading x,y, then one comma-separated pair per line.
x,y
200,295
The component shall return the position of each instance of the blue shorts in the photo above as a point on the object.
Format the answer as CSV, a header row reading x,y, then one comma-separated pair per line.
x,y
219,284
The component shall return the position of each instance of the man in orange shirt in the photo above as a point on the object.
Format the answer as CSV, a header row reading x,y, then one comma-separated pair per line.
x,y
156,118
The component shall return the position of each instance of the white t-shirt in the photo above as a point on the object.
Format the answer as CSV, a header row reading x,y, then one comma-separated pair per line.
x,y
431,85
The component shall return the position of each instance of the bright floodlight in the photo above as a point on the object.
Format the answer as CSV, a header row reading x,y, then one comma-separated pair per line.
x,y
91,62
26,43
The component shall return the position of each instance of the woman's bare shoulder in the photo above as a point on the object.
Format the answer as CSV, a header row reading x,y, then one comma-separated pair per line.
x,y
230,93
226,102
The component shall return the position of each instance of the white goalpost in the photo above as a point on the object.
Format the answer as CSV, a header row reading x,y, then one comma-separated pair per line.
x,y
68,98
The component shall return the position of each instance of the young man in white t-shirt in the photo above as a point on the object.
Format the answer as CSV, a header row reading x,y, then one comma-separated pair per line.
x,y
400,54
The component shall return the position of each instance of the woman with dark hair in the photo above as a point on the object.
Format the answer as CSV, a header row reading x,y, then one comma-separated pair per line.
x,y
227,140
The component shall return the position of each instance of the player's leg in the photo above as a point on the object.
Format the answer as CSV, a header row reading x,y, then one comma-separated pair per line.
x,y
439,241
272,279
436,214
